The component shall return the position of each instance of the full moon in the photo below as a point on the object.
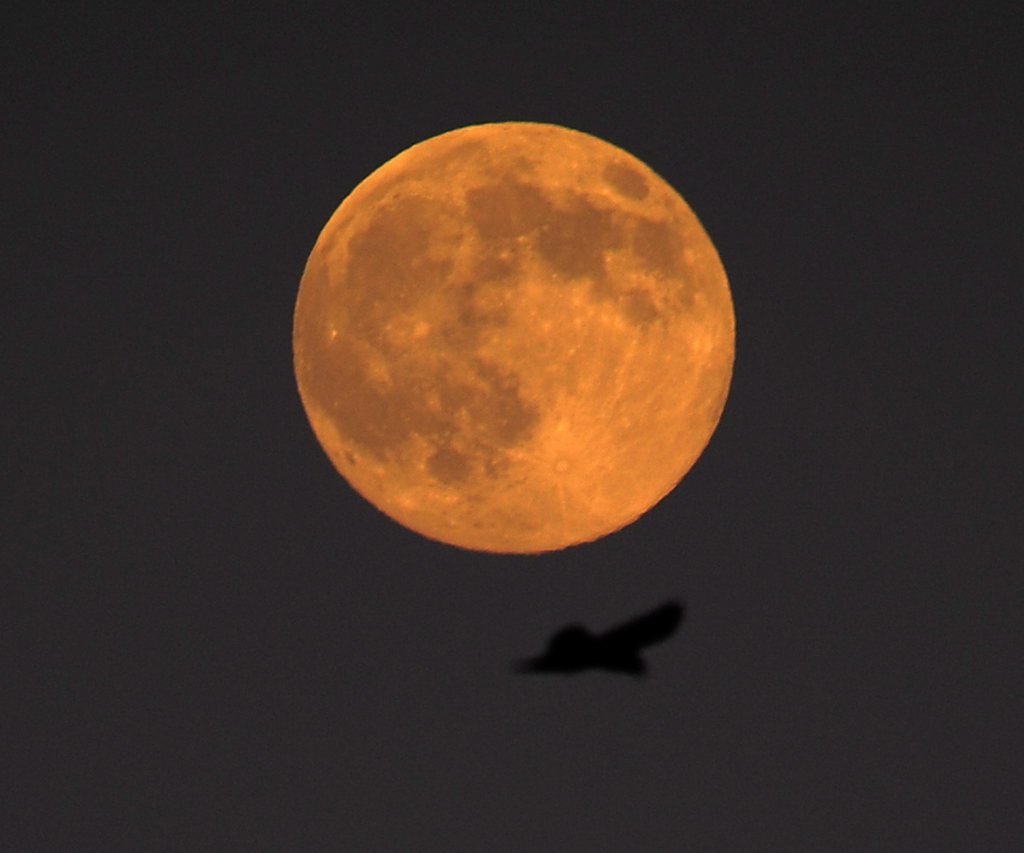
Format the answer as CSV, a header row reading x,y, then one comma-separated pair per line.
x,y
514,338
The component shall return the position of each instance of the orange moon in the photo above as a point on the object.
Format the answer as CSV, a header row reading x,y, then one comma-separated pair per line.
x,y
513,337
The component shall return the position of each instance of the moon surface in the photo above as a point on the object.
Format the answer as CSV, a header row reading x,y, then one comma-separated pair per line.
x,y
513,337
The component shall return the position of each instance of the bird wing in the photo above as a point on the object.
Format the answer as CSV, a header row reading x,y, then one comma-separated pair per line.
x,y
647,629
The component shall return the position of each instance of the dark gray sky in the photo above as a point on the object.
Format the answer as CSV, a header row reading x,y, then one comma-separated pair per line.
x,y
214,644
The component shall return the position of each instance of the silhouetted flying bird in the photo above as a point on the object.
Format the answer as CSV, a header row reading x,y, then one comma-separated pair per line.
x,y
574,648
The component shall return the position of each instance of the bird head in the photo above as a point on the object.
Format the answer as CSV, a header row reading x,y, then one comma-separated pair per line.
x,y
571,641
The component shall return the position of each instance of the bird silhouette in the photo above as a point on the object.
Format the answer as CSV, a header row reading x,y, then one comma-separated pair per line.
x,y
574,649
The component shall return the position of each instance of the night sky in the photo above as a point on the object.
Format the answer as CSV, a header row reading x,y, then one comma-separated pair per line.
x,y
213,643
